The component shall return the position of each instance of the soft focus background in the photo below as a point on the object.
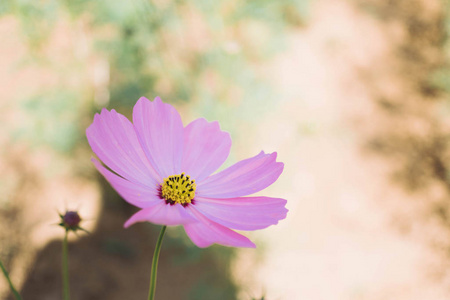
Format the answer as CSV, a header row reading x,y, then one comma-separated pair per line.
x,y
352,94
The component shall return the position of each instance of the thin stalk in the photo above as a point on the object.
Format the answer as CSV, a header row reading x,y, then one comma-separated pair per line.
x,y
65,268
11,286
151,291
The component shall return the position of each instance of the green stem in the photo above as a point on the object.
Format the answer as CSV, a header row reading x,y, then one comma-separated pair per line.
x,y
65,268
151,291
13,290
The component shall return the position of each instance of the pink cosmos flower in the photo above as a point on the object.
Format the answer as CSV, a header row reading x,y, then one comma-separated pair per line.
x,y
167,170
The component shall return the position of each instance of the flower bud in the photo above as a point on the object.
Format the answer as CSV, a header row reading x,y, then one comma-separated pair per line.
x,y
71,221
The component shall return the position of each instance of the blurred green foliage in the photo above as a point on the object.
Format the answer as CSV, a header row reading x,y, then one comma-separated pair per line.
x,y
44,111
204,51
440,78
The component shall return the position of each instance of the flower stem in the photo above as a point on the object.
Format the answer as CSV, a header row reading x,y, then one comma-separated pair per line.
x,y
151,291
13,290
65,268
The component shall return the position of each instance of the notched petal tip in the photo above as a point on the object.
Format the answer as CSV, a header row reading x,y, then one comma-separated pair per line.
x,y
104,113
278,165
206,122
272,155
142,99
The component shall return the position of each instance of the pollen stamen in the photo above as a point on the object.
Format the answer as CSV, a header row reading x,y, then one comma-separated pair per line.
x,y
174,190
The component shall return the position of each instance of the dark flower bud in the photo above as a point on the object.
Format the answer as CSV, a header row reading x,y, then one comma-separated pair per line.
x,y
71,221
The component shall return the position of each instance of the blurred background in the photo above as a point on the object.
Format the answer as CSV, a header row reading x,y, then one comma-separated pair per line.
x,y
352,94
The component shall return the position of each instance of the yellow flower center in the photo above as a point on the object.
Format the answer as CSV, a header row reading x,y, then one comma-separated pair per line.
x,y
178,189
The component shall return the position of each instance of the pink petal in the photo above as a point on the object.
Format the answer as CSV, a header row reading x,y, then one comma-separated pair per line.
x,y
163,214
113,139
248,213
134,193
206,232
243,178
160,132
206,148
